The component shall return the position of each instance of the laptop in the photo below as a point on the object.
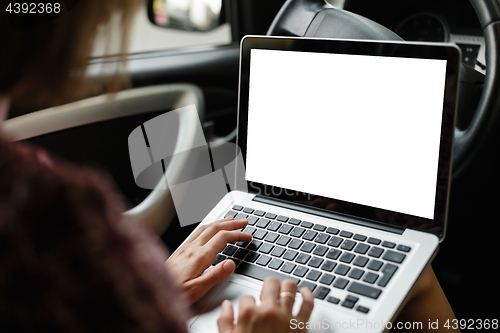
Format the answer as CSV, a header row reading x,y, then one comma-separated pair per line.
x,y
347,147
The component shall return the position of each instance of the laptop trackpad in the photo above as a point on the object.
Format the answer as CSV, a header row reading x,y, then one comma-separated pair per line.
x,y
207,321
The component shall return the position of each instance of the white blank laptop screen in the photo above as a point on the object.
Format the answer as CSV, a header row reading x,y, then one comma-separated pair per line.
x,y
362,129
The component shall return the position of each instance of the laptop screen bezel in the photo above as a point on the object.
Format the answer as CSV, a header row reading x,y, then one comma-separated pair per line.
x,y
447,52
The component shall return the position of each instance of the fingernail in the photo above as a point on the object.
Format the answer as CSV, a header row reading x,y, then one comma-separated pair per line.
x,y
226,304
228,267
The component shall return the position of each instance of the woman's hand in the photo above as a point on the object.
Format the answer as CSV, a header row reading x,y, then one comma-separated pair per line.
x,y
273,315
197,254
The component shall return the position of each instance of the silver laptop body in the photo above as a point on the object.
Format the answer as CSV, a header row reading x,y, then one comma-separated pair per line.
x,y
347,148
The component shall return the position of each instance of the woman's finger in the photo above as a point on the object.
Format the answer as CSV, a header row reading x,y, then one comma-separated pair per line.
x,y
220,240
246,308
199,231
307,304
270,290
200,285
226,319
214,228
287,294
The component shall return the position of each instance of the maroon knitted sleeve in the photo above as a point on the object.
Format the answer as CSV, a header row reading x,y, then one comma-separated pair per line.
x,y
68,261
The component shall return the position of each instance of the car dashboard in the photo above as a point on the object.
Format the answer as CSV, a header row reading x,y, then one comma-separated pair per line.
x,y
429,21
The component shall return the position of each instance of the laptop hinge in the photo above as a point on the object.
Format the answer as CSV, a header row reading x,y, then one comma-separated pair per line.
x,y
328,214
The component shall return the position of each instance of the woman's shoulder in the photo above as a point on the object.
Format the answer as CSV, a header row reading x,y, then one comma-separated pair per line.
x,y
62,233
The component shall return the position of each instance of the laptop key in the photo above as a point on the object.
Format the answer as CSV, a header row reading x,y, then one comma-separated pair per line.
x,y
262,223
332,231
346,257
342,269
297,232
321,292
327,279
361,248
315,262
370,277
283,240
309,234
319,227
263,260
364,290
335,241
290,255
218,259
259,213
271,237
320,250
266,248
300,271
359,237
346,234
356,273
276,264
294,221
348,245
375,265
231,213
328,266
374,241
288,267
302,258
271,216
362,309
322,238
333,254
313,275
390,245
295,243
274,226
340,283
252,256
254,245
260,234
333,300
243,244
248,210
307,284
249,230
306,224
237,207
278,251
240,216
403,248
240,253
348,304
285,229
252,220
260,273
394,256
375,252
229,250
360,261
282,218
387,273
308,247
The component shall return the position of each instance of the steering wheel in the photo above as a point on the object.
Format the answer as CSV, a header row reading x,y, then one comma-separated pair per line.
x,y
317,18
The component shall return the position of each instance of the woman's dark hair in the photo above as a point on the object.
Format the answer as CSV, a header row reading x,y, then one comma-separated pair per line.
x,y
44,63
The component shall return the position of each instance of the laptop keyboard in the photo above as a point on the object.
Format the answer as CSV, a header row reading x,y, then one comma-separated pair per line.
x,y
315,256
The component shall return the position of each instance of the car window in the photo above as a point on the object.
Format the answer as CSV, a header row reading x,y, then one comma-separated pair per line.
x,y
146,37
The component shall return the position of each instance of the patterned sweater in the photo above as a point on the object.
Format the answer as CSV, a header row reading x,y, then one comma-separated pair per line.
x,y
68,260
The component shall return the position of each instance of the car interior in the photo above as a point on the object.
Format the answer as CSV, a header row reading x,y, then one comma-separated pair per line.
x,y
95,131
